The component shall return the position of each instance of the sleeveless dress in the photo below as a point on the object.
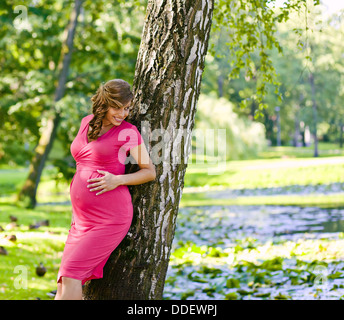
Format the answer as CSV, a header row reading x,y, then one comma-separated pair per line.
x,y
99,222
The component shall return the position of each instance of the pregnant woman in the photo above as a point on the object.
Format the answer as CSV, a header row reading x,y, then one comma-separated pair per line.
x,y
102,207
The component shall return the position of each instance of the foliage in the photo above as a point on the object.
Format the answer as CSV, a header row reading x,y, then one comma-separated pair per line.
x,y
251,26
310,42
105,49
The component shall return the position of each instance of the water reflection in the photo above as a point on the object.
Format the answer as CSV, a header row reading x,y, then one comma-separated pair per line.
x,y
265,223
333,226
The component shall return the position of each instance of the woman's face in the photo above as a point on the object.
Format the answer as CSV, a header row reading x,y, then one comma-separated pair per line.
x,y
115,115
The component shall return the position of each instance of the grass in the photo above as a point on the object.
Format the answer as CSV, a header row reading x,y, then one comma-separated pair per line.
x,y
31,247
325,150
267,173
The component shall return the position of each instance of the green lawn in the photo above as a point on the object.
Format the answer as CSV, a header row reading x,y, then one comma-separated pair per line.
x,y
44,244
267,173
325,150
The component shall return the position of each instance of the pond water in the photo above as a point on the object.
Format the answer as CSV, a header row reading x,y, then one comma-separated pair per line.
x,y
265,223
226,193
299,246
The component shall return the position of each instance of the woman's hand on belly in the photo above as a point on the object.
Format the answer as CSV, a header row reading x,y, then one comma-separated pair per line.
x,y
106,183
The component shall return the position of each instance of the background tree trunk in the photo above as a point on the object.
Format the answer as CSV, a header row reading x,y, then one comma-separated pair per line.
x,y
278,125
315,115
29,190
167,83
220,85
341,129
296,137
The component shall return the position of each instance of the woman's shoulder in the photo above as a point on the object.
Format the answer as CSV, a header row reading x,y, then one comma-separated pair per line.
x,y
87,118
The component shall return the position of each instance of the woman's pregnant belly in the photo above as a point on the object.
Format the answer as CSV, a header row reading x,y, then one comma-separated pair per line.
x,y
110,207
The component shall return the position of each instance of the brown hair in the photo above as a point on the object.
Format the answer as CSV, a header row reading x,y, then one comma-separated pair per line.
x,y
114,93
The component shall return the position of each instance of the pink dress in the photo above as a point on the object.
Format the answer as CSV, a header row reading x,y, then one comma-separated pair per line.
x,y
99,223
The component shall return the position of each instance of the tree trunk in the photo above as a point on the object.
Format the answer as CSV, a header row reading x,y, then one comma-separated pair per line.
x,y
269,126
296,131
27,195
167,83
303,138
315,115
341,129
296,137
253,109
278,124
220,85
298,134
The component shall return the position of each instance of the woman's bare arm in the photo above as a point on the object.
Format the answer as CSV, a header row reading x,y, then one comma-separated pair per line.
x,y
147,169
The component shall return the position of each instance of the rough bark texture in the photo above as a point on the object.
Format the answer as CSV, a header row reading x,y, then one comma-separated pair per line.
x,y
167,83
29,190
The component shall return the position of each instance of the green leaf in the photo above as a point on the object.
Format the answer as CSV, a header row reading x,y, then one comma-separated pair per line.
x,y
336,275
245,293
187,294
231,296
262,295
233,283
281,297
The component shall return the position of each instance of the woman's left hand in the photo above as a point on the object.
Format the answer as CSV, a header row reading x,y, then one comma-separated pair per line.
x,y
106,183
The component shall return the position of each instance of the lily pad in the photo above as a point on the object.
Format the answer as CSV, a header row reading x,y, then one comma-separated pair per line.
x,y
233,283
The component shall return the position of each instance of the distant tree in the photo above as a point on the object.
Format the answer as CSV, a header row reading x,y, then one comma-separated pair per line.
x,y
46,140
